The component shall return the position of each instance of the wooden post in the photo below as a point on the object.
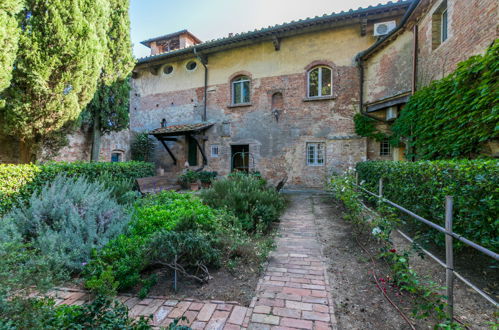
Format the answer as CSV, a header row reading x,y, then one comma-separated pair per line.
x,y
380,188
449,258
357,178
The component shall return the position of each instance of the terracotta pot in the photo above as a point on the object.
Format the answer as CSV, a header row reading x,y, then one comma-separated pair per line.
x,y
194,186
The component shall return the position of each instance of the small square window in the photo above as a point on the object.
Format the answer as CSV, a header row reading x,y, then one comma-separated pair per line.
x,y
385,148
315,154
215,150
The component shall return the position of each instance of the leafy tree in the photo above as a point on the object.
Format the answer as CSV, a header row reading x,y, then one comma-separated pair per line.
x,y
108,111
62,47
9,34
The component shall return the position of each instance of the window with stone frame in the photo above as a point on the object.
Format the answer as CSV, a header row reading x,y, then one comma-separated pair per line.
x,y
385,148
320,82
215,150
440,25
241,90
315,154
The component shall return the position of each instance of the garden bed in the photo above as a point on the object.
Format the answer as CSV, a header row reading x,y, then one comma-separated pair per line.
x,y
358,301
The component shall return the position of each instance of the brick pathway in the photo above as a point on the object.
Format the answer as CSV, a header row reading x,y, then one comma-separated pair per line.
x,y
292,294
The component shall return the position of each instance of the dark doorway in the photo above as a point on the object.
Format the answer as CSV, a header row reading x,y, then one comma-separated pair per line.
x,y
240,157
192,152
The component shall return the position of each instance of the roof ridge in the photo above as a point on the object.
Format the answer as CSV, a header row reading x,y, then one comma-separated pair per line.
x,y
270,28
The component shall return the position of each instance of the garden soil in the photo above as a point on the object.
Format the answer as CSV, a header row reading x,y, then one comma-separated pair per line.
x,y
359,303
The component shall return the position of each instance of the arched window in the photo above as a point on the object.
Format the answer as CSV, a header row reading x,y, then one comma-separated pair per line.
x,y
241,90
320,82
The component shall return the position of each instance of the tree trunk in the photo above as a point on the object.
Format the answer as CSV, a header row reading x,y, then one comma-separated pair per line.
x,y
96,135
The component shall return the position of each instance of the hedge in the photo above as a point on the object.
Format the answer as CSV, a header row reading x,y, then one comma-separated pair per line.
x,y
18,182
422,186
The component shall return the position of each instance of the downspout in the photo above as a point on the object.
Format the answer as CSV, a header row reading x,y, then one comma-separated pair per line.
x,y
204,61
414,58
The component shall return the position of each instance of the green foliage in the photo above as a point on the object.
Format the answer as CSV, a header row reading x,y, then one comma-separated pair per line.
x,y
366,126
454,116
18,182
142,147
9,34
206,176
102,313
188,177
247,197
61,54
67,219
422,186
127,255
122,188
110,105
380,225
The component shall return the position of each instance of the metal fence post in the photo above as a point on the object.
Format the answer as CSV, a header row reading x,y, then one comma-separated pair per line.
x,y
380,188
449,258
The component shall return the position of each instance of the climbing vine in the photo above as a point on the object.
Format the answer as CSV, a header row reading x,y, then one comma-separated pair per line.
x,y
456,116
366,126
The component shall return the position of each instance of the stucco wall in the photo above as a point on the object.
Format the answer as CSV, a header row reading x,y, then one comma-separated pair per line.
x,y
389,72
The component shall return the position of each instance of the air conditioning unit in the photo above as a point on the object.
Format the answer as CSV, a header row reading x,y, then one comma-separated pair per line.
x,y
391,113
383,28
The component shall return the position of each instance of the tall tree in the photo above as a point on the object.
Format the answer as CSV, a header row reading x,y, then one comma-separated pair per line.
x,y
109,108
9,35
62,50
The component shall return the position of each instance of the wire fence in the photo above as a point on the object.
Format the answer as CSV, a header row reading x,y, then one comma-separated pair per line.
x,y
449,251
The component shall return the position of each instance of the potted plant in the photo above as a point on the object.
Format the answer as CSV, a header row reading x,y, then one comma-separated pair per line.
x,y
206,177
189,180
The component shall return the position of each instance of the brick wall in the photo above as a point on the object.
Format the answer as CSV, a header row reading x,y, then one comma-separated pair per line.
x,y
473,26
277,146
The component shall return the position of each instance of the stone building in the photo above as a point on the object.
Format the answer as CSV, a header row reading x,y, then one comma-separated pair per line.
x,y
280,100
434,36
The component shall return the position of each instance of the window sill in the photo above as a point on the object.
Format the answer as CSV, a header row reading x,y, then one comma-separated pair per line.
x,y
239,105
315,165
319,98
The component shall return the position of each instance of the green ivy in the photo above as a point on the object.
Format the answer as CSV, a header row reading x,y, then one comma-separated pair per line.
x,y
456,116
366,126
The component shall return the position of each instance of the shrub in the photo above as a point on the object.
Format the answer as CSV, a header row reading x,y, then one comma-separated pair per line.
x,y
422,186
125,257
102,313
67,219
142,147
248,198
188,177
207,177
18,182
121,188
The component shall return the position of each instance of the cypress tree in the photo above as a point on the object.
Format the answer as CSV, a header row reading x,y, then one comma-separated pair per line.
x,y
109,108
9,35
61,53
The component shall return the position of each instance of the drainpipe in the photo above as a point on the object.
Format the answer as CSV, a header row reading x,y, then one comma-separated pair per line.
x,y
203,61
414,58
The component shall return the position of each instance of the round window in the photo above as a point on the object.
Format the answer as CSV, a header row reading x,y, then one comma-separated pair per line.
x,y
191,65
168,69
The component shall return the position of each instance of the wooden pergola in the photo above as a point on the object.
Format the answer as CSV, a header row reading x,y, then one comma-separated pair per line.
x,y
170,133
